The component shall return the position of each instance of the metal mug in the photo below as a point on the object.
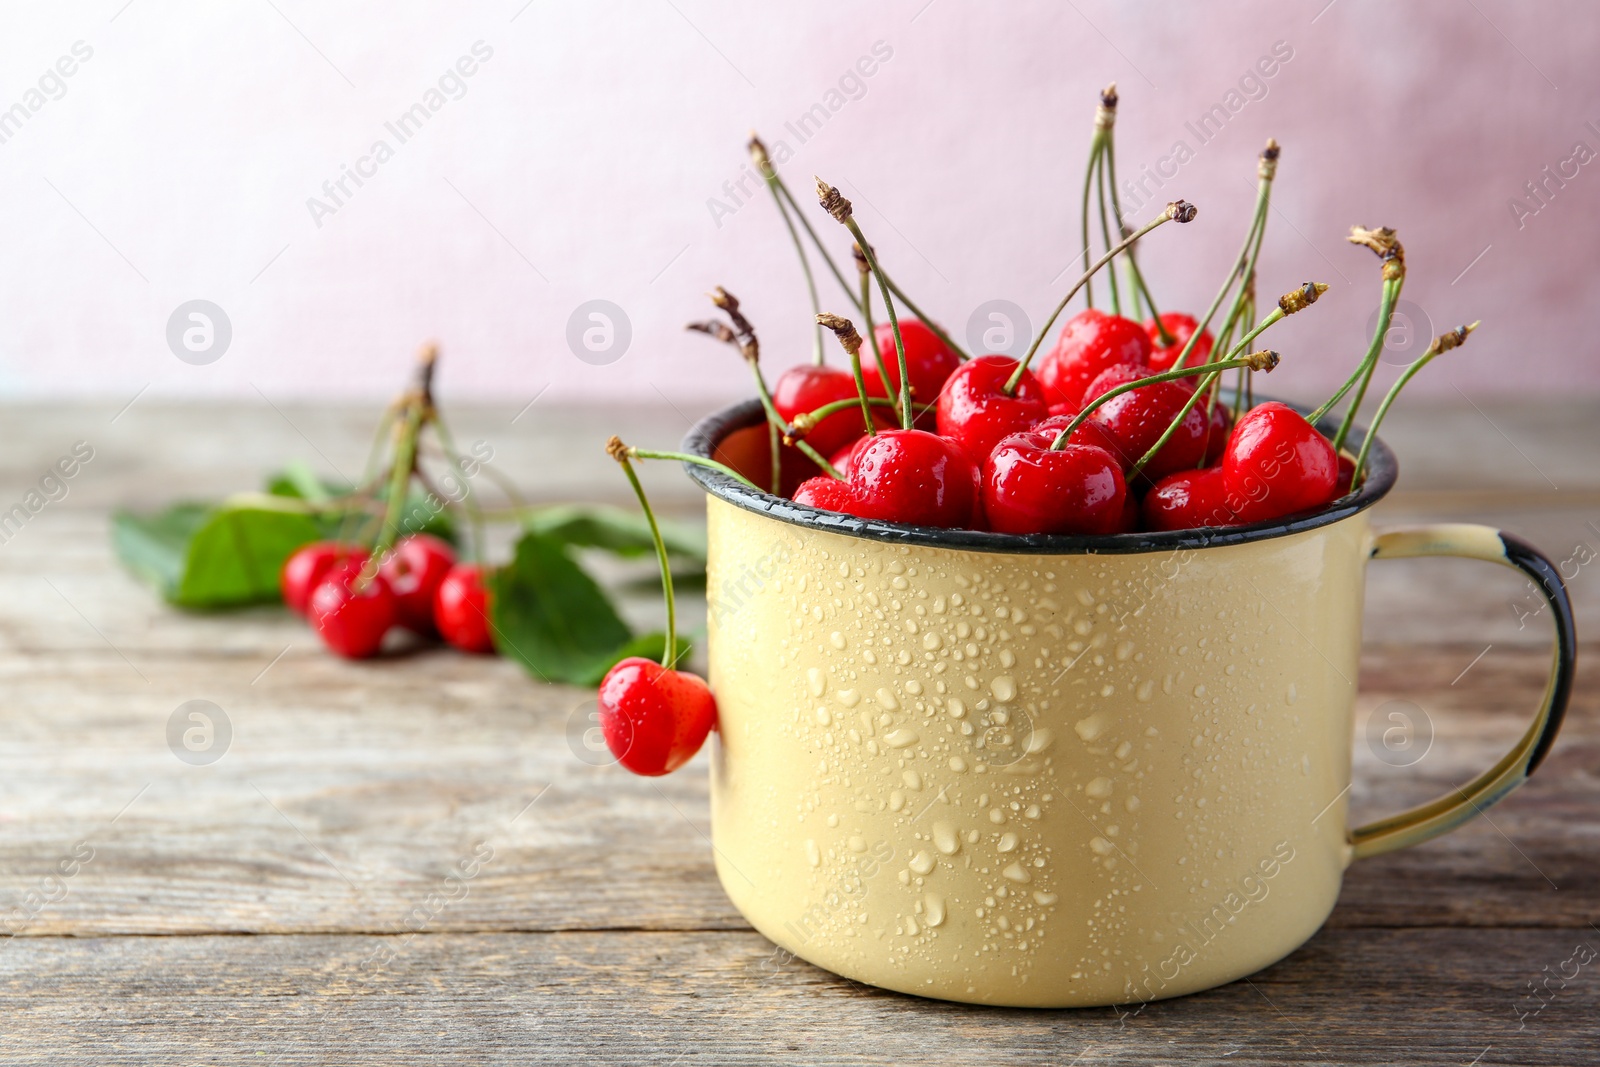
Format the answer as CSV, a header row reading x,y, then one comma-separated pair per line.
x,y
1052,771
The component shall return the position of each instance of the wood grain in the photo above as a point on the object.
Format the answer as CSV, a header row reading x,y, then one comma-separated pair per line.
x,y
227,910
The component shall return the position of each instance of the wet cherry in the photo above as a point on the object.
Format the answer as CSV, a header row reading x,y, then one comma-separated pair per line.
x,y
929,361
654,719
1028,488
808,387
1277,464
915,477
461,609
825,492
1187,500
351,616
1137,419
975,411
1180,327
304,571
414,568
1089,343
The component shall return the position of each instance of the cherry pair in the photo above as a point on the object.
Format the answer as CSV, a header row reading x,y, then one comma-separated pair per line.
x,y
1276,464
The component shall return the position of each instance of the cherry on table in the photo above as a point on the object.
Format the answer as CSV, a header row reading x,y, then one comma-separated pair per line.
x,y
1089,343
1180,327
1030,488
461,609
304,570
414,569
975,411
350,614
654,718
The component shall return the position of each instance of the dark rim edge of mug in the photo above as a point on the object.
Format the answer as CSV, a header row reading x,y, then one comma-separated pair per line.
x,y
703,438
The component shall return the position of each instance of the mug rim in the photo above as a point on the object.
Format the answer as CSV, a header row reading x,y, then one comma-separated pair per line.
x,y
703,439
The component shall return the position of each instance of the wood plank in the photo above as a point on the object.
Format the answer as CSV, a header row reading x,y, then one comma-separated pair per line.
x,y
1347,997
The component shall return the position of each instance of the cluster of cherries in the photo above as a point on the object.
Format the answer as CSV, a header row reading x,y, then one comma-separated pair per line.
x,y
992,458
353,601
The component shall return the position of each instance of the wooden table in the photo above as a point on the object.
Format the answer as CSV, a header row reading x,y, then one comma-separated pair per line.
x,y
284,905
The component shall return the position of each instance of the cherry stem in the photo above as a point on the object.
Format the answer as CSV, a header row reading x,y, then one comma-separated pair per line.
x,y
621,453
468,499
816,241
698,461
833,407
1443,343
778,428
872,329
416,408
805,265
1391,293
1088,186
840,209
1105,222
1391,296
845,332
1244,264
1265,360
938,330
1180,210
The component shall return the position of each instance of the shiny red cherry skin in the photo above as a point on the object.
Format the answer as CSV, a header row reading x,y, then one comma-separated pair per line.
x,y
1088,433
975,411
844,460
1137,419
1277,464
1347,474
1217,432
414,568
1029,488
304,570
1180,327
654,719
461,609
352,616
1090,342
807,387
1186,500
915,477
929,361
826,493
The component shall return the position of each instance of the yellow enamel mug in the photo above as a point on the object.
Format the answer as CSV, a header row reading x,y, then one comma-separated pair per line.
x,y
1052,771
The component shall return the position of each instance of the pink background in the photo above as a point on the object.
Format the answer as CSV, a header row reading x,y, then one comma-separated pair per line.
x,y
580,161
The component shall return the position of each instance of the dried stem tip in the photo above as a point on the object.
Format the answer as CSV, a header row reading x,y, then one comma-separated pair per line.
x,y
1267,168
860,257
833,202
1451,339
1263,360
716,330
1105,116
1182,211
616,449
844,330
758,156
1301,298
748,345
427,360
1382,241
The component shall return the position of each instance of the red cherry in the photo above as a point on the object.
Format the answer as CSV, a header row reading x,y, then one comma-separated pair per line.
x,y
414,569
351,618
654,719
1187,500
461,609
844,460
806,388
929,361
975,411
1347,474
304,571
1028,488
1180,327
1137,419
1277,464
1090,342
1217,433
825,492
915,477
1088,433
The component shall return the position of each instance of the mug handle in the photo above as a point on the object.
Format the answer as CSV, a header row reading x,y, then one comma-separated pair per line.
x,y
1470,541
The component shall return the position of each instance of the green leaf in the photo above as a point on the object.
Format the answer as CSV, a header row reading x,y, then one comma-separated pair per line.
x,y
297,479
649,645
208,556
298,482
614,530
550,616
